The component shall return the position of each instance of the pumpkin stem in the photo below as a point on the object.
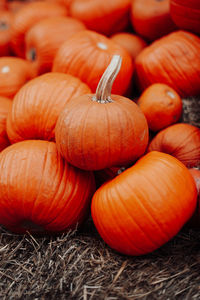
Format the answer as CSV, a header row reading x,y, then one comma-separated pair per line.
x,y
103,91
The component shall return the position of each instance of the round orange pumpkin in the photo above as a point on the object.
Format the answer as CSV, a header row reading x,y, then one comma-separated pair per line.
x,y
145,206
39,191
98,131
37,105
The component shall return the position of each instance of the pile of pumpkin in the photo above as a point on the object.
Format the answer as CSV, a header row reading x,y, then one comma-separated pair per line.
x,y
69,147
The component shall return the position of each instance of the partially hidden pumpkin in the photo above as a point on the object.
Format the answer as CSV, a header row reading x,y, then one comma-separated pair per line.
x,y
186,14
37,105
106,17
173,60
180,140
39,191
102,130
161,105
87,54
5,32
45,37
151,18
5,107
144,207
195,219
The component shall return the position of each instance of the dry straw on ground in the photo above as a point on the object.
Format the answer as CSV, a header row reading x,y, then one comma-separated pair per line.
x,y
78,265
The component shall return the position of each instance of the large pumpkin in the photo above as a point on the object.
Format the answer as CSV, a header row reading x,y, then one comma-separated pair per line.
x,y
145,206
186,14
37,105
39,191
173,60
98,131
87,54
180,140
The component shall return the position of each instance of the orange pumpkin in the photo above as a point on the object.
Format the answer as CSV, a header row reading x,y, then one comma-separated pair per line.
x,y
39,191
145,206
14,73
106,17
38,104
5,107
180,140
195,219
186,14
45,37
99,131
5,32
15,5
173,60
87,54
151,18
29,15
131,42
161,105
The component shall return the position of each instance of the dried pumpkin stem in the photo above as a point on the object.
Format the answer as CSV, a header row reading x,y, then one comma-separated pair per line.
x,y
103,91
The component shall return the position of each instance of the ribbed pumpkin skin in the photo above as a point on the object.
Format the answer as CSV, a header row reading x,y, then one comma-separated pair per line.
x,y
5,32
37,188
14,73
145,206
87,54
38,104
45,38
29,15
173,60
186,14
180,140
151,18
5,107
106,17
94,136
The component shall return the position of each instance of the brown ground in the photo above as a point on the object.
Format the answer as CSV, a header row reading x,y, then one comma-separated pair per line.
x,y
78,265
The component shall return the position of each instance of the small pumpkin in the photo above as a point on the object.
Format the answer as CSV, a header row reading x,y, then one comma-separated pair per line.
x,y
5,107
29,15
106,17
38,104
101,130
186,14
5,32
131,42
39,191
161,105
173,60
14,73
87,54
180,140
151,18
144,207
45,37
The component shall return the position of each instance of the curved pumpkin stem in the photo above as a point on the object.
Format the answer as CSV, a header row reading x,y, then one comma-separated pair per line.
x,y
103,91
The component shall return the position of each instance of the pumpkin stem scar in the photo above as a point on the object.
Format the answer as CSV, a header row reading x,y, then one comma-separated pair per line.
x,y
31,55
103,91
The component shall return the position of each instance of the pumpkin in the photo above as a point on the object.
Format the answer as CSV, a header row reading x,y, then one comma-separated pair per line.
x,y
38,104
5,107
161,105
5,32
14,73
173,60
195,219
186,14
29,15
15,5
87,54
131,42
151,18
3,4
39,191
45,37
180,140
144,207
101,130
106,17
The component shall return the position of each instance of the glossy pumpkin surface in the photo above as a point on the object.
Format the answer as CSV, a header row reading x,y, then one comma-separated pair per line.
x,y
38,104
145,206
173,60
5,107
180,140
39,191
